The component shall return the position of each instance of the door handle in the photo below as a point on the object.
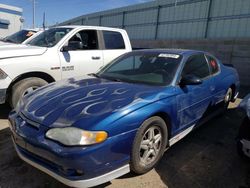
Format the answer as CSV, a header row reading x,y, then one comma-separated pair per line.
x,y
96,57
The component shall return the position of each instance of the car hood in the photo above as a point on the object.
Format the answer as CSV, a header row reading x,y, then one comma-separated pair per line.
x,y
20,50
89,100
5,43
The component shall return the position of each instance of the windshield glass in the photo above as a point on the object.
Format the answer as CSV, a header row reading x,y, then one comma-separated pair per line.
x,y
49,37
19,36
154,68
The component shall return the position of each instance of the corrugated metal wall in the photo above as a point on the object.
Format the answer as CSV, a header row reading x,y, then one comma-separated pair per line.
x,y
176,19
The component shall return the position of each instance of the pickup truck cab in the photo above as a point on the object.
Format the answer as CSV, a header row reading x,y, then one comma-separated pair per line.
x,y
57,53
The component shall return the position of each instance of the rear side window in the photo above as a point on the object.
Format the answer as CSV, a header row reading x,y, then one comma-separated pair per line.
x,y
113,40
213,64
196,65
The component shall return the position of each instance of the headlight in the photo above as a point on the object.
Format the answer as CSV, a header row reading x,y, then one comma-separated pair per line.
x,y
71,136
3,75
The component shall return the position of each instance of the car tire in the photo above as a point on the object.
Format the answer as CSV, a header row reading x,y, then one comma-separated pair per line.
x,y
24,87
149,145
228,98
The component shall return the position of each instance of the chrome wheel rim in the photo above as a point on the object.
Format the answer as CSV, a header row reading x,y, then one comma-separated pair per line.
x,y
29,90
228,96
150,145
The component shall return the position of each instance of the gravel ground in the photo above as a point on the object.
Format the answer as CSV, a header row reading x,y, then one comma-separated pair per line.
x,y
205,158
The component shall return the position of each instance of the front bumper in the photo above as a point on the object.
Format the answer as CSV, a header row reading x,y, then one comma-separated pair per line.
x,y
2,96
76,183
4,84
73,166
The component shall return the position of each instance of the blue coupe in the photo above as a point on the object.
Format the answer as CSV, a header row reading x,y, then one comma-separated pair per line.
x,y
87,131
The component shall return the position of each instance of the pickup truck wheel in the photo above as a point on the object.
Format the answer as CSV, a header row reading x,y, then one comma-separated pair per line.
x,y
25,87
149,145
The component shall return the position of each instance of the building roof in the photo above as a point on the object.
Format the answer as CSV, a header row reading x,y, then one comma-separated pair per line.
x,y
10,9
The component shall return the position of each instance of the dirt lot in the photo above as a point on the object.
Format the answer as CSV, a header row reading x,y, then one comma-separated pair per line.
x,y
205,158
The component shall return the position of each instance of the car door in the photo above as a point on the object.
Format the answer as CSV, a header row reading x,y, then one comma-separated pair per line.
x,y
193,100
81,54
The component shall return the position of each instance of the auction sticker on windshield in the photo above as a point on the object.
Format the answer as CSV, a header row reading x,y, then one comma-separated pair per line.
x,y
169,56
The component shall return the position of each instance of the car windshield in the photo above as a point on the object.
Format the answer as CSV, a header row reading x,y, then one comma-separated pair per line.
x,y
154,68
49,37
19,36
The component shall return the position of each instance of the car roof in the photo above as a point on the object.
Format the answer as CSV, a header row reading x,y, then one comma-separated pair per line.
x,y
172,51
33,29
88,27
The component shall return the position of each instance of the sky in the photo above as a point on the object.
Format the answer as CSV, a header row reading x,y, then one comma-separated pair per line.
x,y
57,11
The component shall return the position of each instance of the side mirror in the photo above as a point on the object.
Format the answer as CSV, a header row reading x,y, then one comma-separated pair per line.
x,y
190,80
72,45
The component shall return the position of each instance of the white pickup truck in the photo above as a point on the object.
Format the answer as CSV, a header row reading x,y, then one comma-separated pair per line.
x,y
57,53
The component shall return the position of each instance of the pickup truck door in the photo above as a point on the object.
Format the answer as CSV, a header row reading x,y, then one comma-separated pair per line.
x,y
81,54
193,101
115,44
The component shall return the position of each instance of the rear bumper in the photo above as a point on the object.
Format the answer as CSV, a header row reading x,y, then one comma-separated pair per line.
x,y
76,183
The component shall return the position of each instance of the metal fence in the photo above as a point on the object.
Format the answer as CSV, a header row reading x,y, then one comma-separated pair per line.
x,y
176,19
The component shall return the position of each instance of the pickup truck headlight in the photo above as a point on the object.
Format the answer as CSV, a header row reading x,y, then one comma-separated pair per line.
x,y
3,75
71,136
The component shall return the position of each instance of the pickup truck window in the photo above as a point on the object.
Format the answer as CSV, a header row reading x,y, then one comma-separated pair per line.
x,y
113,40
49,38
87,40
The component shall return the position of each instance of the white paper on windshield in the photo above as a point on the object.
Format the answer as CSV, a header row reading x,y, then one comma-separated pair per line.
x,y
175,56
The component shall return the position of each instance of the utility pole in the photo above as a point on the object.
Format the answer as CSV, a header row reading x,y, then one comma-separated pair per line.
x,y
34,13
44,24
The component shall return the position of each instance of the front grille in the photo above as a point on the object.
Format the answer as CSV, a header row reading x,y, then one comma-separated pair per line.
x,y
65,172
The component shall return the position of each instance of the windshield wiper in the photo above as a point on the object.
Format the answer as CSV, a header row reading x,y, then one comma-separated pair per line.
x,y
113,79
94,74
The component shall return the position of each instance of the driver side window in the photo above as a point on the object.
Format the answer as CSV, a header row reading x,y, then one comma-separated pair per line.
x,y
196,65
84,40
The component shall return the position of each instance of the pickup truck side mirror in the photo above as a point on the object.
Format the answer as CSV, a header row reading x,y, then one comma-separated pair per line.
x,y
72,46
190,80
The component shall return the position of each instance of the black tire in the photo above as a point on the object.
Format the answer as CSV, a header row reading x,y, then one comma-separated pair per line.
x,y
20,88
158,126
228,98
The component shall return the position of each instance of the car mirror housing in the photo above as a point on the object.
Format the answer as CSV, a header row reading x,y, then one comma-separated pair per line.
x,y
190,80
